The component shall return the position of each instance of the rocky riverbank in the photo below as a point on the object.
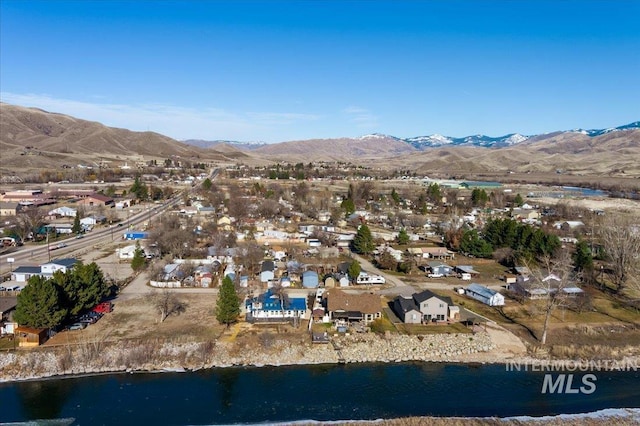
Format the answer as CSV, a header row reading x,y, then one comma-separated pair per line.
x,y
99,357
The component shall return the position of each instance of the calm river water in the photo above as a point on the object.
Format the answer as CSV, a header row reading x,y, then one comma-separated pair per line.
x,y
328,392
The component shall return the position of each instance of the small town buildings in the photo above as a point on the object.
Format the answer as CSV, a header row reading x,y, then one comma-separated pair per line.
x,y
484,295
532,288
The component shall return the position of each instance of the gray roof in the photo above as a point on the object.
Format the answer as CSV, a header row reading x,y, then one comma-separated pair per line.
x,y
428,294
481,290
406,304
27,270
467,268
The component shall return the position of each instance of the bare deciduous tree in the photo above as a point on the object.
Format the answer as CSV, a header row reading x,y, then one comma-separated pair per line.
x,y
167,303
551,278
620,237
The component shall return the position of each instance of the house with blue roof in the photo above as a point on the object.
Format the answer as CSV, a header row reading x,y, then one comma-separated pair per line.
x,y
272,307
484,295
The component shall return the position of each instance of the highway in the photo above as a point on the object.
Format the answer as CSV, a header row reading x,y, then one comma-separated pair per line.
x,y
32,253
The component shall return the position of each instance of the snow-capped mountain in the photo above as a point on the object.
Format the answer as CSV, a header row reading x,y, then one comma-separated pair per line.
x,y
598,132
422,142
436,140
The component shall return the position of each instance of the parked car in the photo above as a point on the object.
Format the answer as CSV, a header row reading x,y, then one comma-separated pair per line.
x,y
88,320
104,307
77,326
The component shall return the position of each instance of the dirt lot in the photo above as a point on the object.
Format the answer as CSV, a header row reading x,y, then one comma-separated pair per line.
x,y
137,318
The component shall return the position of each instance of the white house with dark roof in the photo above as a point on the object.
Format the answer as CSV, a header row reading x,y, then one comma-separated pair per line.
x,y
46,270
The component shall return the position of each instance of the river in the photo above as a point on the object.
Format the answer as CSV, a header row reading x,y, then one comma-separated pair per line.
x,y
320,392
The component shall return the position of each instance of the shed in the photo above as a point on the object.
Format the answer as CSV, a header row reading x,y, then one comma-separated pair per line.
x,y
484,295
30,337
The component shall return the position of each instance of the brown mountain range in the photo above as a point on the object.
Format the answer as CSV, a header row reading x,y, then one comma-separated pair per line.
x,y
31,138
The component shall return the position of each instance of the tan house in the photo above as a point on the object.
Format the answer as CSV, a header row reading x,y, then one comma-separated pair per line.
x,y
352,307
224,223
9,209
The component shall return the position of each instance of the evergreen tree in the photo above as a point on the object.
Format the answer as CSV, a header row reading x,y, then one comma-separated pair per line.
x,y
363,241
207,184
394,196
471,243
76,228
139,259
139,189
434,193
348,206
228,305
403,237
479,197
518,200
354,270
582,258
40,304
83,287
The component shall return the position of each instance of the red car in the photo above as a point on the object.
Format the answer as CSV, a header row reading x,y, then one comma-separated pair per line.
x,y
103,308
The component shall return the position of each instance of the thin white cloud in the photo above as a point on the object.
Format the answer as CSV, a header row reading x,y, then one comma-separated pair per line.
x,y
171,120
361,117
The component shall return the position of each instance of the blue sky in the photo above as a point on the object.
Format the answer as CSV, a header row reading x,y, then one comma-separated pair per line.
x,y
287,70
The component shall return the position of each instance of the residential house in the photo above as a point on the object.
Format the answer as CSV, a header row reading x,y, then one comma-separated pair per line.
x,y
352,307
224,223
267,271
431,252
63,211
526,215
273,307
46,270
310,279
94,200
433,307
438,268
484,295
532,288
64,265
9,208
22,273
407,310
